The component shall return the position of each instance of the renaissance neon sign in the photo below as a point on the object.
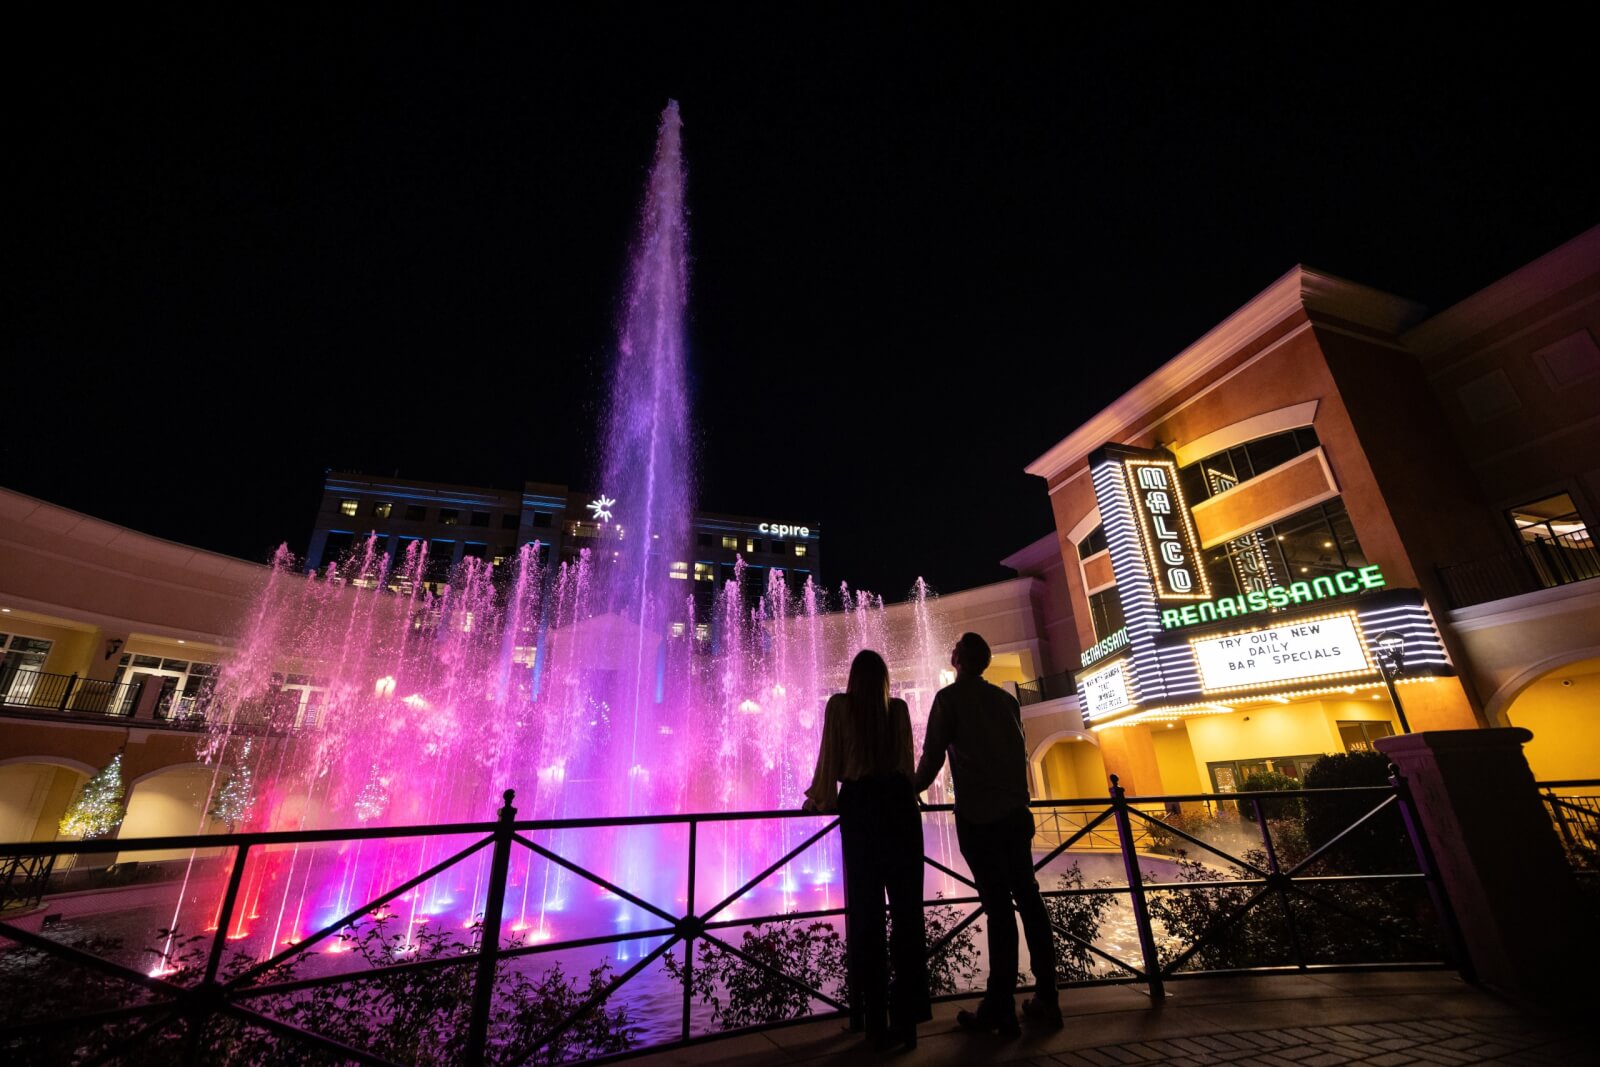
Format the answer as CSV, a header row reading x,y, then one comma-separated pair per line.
x,y
1171,546
1323,587
1100,650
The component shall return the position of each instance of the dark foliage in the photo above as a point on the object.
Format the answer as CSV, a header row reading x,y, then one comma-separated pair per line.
x,y
1379,845
1079,915
1271,807
813,954
407,1014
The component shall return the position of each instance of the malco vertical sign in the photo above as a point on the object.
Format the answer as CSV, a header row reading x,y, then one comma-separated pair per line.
x,y
1171,546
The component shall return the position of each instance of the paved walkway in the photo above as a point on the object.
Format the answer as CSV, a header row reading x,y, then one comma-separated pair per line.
x,y
1301,1020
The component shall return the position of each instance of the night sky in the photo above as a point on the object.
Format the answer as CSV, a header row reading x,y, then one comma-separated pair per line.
x,y
246,250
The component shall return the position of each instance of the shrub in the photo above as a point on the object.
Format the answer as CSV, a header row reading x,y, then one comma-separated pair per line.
x,y
744,995
1380,846
410,1016
1270,781
1079,915
813,953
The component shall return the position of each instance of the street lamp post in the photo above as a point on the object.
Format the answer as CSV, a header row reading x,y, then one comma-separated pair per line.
x,y
1389,649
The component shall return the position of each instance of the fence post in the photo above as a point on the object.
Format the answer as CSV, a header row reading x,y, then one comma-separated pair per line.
x,y
1454,943
1553,803
489,934
1276,877
688,941
66,694
1141,914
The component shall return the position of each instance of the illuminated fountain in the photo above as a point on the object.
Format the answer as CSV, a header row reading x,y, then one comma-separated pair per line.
x,y
367,697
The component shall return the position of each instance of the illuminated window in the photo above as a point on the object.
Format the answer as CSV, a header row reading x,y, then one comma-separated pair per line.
x,y
705,572
679,571
799,550
382,510
450,516
416,512
702,631
752,545
1224,470
677,629
348,507
731,542
1556,540
1358,735
1317,541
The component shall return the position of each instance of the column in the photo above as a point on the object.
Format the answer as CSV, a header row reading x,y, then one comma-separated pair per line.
x,y
1501,865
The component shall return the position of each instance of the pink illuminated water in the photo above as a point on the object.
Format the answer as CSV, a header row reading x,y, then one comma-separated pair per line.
x,y
585,687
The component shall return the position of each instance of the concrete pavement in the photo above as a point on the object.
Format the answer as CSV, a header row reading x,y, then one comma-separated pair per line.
x,y
1386,1019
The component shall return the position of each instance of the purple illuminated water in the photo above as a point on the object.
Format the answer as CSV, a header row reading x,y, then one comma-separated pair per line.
x,y
587,687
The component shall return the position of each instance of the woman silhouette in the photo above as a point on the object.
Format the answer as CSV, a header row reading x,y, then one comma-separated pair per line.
x,y
866,745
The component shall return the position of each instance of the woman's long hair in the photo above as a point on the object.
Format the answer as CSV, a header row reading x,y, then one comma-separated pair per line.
x,y
868,694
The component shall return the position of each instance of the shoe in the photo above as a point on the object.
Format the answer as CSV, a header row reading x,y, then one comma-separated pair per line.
x,y
896,1037
982,1022
1045,1010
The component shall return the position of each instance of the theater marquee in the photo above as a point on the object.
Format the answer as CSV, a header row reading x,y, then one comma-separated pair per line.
x,y
1105,690
1321,647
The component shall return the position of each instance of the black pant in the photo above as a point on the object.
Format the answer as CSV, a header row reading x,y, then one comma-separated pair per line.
x,y
881,831
1000,854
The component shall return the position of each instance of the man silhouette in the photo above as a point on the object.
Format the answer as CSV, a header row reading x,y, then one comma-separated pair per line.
x,y
980,725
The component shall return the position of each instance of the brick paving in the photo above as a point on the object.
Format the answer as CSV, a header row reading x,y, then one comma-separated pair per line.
x,y
1392,1044
1388,1020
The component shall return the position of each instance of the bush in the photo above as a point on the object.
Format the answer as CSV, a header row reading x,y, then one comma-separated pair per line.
x,y
1269,781
1380,846
744,995
409,1016
1079,915
813,953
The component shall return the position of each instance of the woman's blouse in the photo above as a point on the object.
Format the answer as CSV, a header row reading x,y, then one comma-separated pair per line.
x,y
842,756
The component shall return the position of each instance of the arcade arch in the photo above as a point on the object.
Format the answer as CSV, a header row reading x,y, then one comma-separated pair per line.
x,y
34,794
1560,705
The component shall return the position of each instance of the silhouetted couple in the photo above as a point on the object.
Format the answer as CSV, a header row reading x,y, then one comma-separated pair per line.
x,y
866,746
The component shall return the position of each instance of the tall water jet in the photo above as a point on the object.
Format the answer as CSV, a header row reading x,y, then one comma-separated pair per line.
x,y
646,471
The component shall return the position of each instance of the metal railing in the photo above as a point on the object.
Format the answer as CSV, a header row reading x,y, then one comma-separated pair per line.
x,y
1542,563
1049,687
41,695
66,693
1577,821
1256,881
23,880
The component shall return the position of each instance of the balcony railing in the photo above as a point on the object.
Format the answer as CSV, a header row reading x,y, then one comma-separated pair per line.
x,y
1574,807
67,693
1050,687
1543,563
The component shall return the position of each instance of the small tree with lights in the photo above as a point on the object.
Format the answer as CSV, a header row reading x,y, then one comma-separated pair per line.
x,y
97,809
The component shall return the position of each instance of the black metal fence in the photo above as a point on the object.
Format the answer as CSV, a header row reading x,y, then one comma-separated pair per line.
x,y
40,691
1574,807
1542,563
1049,687
1327,901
